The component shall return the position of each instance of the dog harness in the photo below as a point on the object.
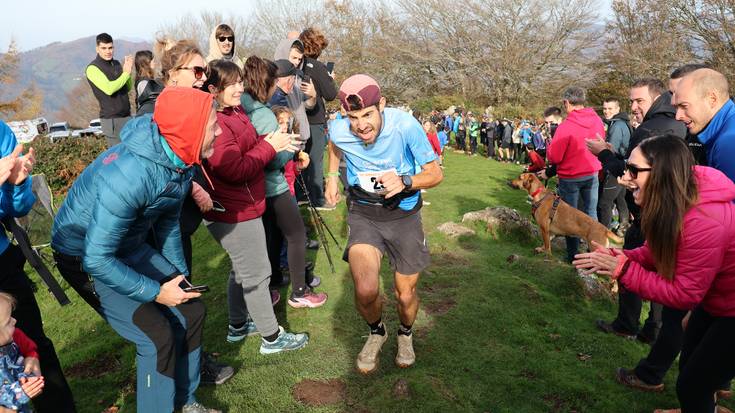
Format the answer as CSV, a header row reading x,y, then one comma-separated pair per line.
x,y
554,206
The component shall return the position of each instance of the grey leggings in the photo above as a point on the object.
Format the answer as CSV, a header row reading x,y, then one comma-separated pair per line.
x,y
247,291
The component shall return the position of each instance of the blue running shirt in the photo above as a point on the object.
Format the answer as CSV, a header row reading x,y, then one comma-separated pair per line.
x,y
402,146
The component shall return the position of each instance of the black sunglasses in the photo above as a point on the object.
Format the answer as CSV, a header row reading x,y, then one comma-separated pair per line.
x,y
198,71
231,39
633,170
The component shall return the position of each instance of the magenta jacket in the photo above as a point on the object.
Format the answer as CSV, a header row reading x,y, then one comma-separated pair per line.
x,y
705,256
568,149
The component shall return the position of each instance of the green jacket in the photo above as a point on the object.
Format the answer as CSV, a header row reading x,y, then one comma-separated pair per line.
x,y
265,122
474,128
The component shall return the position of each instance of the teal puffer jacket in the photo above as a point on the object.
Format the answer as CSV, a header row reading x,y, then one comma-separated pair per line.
x,y
265,122
129,190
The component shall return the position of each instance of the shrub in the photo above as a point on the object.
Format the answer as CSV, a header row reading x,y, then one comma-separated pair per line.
x,y
62,161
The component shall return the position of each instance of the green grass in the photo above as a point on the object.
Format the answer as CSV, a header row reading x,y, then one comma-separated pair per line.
x,y
491,336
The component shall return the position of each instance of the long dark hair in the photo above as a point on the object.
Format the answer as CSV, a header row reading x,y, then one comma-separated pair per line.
x,y
259,77
670,191
143,59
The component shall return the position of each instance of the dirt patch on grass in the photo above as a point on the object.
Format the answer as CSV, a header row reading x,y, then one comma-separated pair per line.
x,y
94,368
438,300
317,393
440,387
448,259
439,307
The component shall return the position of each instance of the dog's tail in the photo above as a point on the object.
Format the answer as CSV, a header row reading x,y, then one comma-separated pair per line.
x,y
614,238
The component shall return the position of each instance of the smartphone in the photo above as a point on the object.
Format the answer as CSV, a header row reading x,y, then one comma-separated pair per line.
x,y
217,207
330,67
196,289
306,79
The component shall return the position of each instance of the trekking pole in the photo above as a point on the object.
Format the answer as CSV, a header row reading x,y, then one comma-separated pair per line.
x,y
319,225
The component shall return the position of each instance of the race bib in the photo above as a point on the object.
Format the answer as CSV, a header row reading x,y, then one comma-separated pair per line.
x,y
369,181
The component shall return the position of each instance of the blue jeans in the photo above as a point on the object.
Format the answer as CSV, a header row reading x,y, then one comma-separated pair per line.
x,y
570,190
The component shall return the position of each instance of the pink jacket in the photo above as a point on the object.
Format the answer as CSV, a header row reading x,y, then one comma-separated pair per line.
x,y
568,149
705,256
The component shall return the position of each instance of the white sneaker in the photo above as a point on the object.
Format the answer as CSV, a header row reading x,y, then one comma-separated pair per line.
x,y
367,360
405,357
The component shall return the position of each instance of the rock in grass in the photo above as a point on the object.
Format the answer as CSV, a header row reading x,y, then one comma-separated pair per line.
x,y
401,390
504,219
454,230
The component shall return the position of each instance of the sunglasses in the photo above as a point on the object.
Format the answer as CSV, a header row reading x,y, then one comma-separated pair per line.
x,y
198,71
633,170
228,38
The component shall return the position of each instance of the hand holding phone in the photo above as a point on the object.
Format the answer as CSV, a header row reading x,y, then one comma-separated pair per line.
x,y
196,289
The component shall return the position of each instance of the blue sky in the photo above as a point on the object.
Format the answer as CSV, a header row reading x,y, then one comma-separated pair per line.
x,y
35,23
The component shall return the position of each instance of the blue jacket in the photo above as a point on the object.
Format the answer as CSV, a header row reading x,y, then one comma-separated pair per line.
x,y
129,190
15,201
718,139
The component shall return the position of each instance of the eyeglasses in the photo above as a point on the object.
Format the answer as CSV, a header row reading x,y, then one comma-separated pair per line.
x,y
198,71
228,38
633,170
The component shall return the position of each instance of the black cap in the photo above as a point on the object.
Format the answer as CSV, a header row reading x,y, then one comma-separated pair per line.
x,y
286,68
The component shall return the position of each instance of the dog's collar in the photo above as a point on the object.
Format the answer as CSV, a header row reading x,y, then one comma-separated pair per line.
x,y
536,192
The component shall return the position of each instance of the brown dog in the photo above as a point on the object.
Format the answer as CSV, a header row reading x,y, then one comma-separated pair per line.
x,y
561,219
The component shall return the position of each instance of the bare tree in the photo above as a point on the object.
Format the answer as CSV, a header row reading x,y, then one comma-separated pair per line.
x,y
24,105
711,23
81,106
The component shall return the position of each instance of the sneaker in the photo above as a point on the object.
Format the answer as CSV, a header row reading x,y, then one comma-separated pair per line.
x,y
284,342
314,282
405,357
312,244
628,378
327,207
309,300
213,372
608,328
198,408
275,297
367,360
236,334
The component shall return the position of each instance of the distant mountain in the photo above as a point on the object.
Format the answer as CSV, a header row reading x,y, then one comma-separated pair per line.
x,y
57,67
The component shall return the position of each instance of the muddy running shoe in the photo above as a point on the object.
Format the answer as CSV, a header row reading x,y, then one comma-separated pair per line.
x,y
285,342
405,357
236,334
606,327
312,244
198,408
367,360
310,299
628,378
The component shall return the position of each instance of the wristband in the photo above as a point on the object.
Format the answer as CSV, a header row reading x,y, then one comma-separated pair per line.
x,y
330,174
622,267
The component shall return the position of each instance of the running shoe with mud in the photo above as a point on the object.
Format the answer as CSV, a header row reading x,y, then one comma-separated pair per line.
x,y
367,360
405,357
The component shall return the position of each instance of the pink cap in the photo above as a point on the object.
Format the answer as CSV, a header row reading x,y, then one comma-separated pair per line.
x,y
364,87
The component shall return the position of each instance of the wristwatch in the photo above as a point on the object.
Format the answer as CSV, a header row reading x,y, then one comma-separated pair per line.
x,y
407,182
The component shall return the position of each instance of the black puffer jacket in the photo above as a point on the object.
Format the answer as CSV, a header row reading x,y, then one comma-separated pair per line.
x,y
659,120
146,91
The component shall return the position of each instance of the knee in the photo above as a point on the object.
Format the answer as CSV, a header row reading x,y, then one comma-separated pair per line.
x,y
406,296
366,294
194,312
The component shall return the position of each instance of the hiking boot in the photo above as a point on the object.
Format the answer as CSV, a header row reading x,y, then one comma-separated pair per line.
x,y
608,328
198,408
628,378
236,334
213,372
405,357
312,244
310,299
367,360
275,297
284,342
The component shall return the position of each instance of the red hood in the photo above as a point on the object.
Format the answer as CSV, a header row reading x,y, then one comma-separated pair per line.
x,y
586,118
713,185
181,114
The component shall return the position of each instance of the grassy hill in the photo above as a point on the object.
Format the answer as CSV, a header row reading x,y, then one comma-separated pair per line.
x,y
57,67
491,336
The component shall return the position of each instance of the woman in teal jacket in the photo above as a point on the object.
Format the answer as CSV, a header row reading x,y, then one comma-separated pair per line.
x,y
282,217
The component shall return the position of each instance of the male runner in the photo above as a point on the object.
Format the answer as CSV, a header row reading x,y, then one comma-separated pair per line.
x,y
389,160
